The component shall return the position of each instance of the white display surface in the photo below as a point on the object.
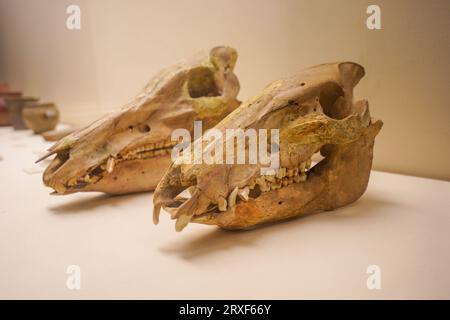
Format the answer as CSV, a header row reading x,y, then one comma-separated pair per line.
x,y
401,224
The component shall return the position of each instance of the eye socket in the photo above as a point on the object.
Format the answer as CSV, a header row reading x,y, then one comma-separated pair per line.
x,y
201,83
144,128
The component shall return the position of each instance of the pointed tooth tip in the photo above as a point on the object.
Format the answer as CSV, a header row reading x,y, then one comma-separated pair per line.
x,y
156,213
182,222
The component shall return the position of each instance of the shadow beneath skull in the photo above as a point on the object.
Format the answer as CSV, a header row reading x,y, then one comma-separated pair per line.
x,y
218,240
86,205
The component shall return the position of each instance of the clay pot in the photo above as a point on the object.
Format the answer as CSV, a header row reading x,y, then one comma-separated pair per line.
x,y
4,94
40,117
15,107
4,118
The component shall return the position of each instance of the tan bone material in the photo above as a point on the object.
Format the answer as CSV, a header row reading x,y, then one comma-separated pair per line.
x,y
129,150
315,113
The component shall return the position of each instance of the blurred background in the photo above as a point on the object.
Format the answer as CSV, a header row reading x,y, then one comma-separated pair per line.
x,y
122,44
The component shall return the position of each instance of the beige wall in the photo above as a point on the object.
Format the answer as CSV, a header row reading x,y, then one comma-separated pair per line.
x,y
123,43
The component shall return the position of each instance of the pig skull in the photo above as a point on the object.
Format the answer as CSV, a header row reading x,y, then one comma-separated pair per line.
x,y
315,114
129,150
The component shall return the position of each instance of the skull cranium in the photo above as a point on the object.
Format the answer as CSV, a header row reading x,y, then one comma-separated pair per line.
x,y
315,113
129,150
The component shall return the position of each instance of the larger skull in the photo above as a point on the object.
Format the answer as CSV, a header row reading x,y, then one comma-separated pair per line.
x,y
129,150
315,113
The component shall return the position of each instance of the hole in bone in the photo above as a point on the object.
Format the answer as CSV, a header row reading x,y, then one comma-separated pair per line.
x,y
327,98
201,83
143,127
255,193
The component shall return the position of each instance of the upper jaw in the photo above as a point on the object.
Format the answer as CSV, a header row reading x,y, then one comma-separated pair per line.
x,y
66,175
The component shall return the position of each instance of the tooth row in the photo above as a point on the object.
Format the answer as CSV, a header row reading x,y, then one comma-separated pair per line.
x,y
282,178
150,147
146,154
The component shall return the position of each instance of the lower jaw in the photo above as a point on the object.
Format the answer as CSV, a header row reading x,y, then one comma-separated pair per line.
x,y
339,179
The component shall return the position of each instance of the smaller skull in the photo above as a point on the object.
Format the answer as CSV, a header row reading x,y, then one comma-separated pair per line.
x,y
129,150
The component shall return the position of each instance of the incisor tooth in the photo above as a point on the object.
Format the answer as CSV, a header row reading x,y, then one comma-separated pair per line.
x,y
270,178
110,165
243,193
232,197
222,204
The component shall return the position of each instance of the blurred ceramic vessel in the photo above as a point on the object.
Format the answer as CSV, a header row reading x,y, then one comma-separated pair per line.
x,y
40,117
15,107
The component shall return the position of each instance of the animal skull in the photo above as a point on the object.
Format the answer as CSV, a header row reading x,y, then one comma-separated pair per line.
x,y
129,150
314,112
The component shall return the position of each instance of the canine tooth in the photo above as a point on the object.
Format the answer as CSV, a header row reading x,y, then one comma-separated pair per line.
x,y
252,184
295,172
243,193
232,197
222,204
156,212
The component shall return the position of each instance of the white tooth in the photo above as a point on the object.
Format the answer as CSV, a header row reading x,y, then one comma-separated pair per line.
x,y
243,193
308,163
232,197
222,204
110,164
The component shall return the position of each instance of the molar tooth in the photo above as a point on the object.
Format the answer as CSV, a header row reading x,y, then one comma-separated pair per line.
x,y
110,164
243,193
302,166
281,173
276,185
261,181
222,204
232,197
290,173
